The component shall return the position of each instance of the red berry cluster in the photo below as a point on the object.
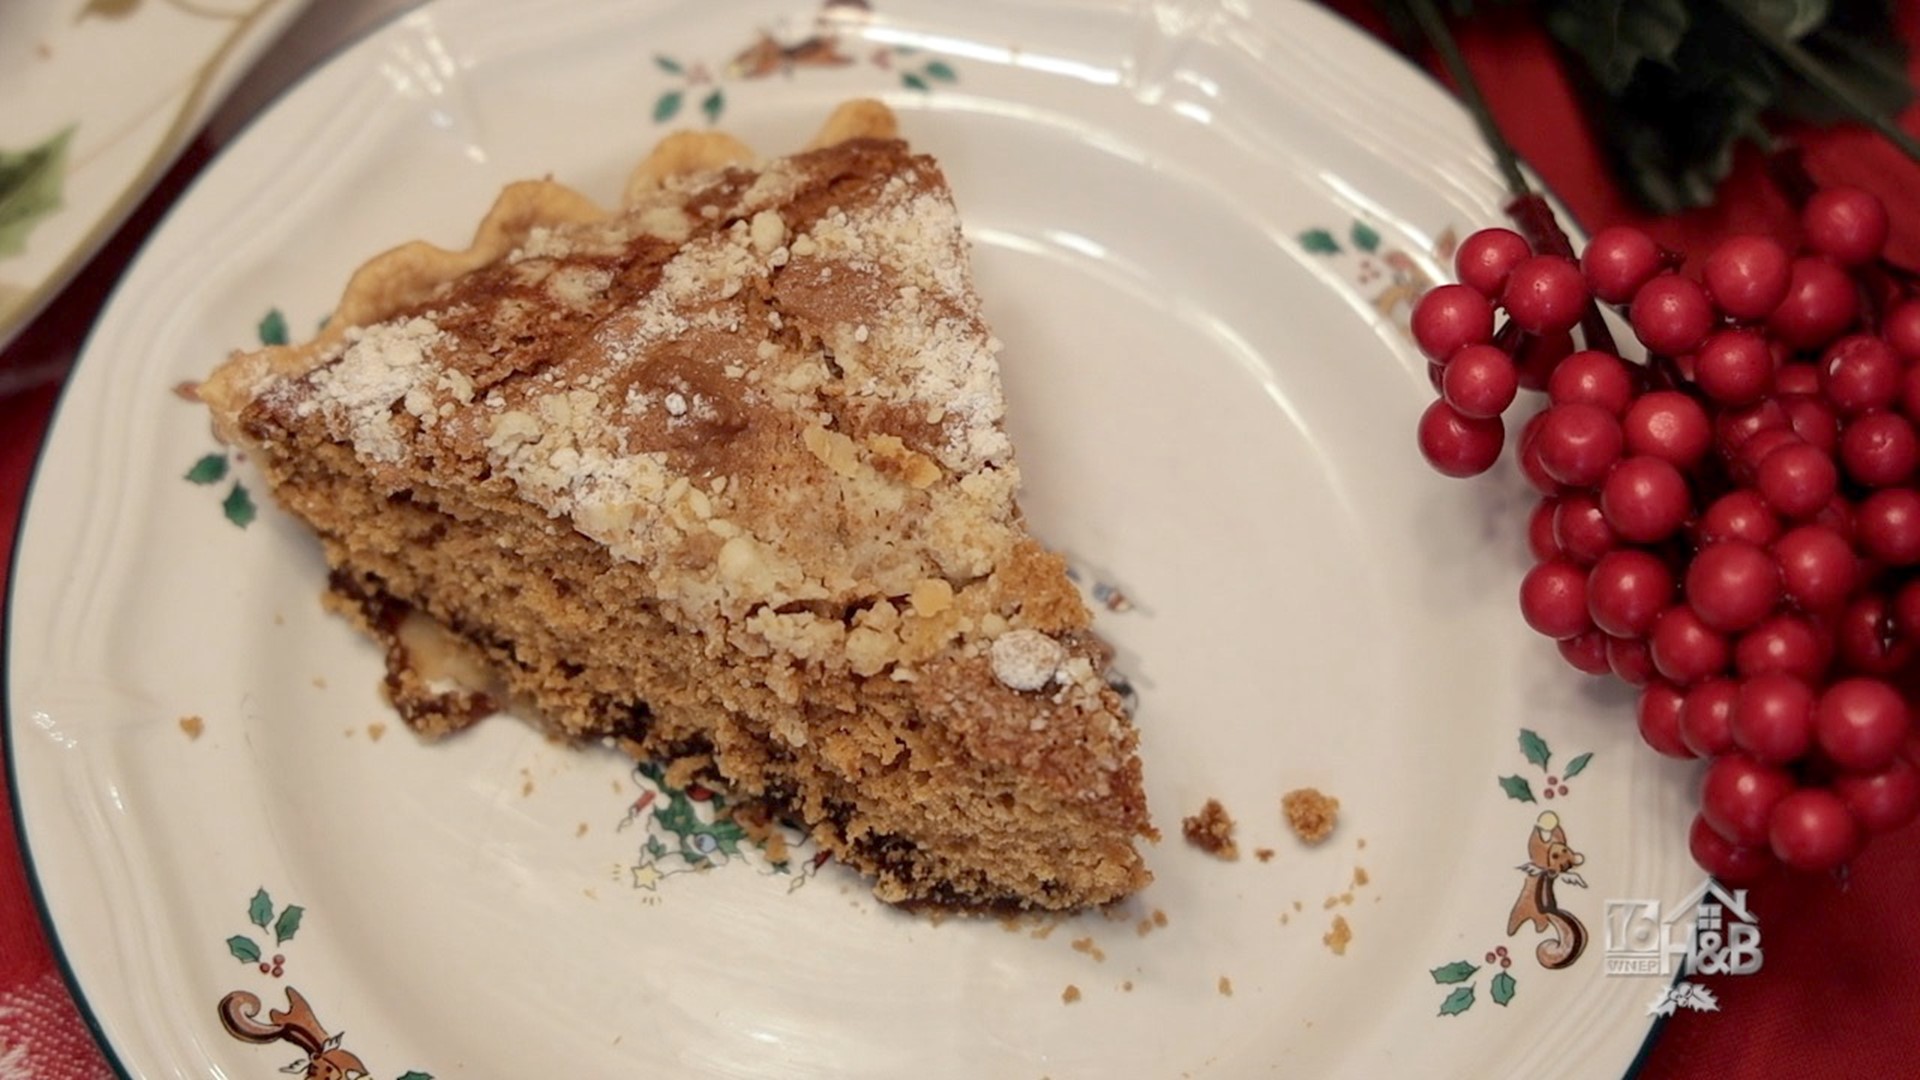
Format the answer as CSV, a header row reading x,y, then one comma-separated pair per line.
x,y
1733,526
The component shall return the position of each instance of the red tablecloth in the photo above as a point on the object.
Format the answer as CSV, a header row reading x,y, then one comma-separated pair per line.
x,y
1841,982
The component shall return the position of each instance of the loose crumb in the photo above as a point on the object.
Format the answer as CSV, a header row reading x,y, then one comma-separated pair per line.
x,y
1361,843
1044,932
526,788
193,726
1127,986
1310,813
1264,854
1211,830
1283,918
1337,938
580,830
319,682
1071,994
589,893
1087,946
1159,917
1297,906
1225,986
1360,877
1145,927
375,730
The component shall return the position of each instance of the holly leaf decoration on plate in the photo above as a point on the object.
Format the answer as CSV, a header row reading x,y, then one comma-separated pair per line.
x,y
1501,989
1535,748
1517,788
210,469
31,181
1457,972
288,924
273,327
1577,766
1457,1002
239,508
1320,242
243,949
260,909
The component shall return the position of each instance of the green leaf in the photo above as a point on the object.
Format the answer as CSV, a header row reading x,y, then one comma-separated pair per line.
x,y
210,469
238,506
941,70
1501,989
415,1074
243,949
1457,972
1364,237
667,107
1320,242
1872,63
1457,1002
914,82
668,64
288,924
1535,748
260,909
1576,766
1614,37
30,189
273,328
1794,18
1517,788
713,104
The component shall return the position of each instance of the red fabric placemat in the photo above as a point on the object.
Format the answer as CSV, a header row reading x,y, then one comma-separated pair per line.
x,y
1842,973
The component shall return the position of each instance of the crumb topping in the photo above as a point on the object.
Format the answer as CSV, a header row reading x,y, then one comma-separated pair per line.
x,y
1026,659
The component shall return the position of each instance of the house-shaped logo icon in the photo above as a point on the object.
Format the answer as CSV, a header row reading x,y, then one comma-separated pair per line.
x,y
1711,931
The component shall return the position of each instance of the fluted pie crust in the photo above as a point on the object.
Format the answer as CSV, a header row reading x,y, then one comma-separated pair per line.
x,y
720,475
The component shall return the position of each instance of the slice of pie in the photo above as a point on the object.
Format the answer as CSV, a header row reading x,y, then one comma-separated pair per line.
x,y
722,476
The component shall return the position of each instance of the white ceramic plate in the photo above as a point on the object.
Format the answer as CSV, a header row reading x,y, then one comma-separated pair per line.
x,y
1197,228
101,95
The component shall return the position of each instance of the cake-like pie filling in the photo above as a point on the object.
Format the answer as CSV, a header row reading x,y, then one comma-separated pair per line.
x,y
721,474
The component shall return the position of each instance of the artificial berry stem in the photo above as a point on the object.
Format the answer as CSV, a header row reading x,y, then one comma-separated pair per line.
x,y
1441,38
1528,209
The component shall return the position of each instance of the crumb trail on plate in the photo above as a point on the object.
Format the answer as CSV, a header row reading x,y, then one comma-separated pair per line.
x,y
1310,813
1211,830
1336,939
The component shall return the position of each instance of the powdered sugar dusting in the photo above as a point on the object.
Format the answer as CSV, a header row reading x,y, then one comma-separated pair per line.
x,y
382,364
943,363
